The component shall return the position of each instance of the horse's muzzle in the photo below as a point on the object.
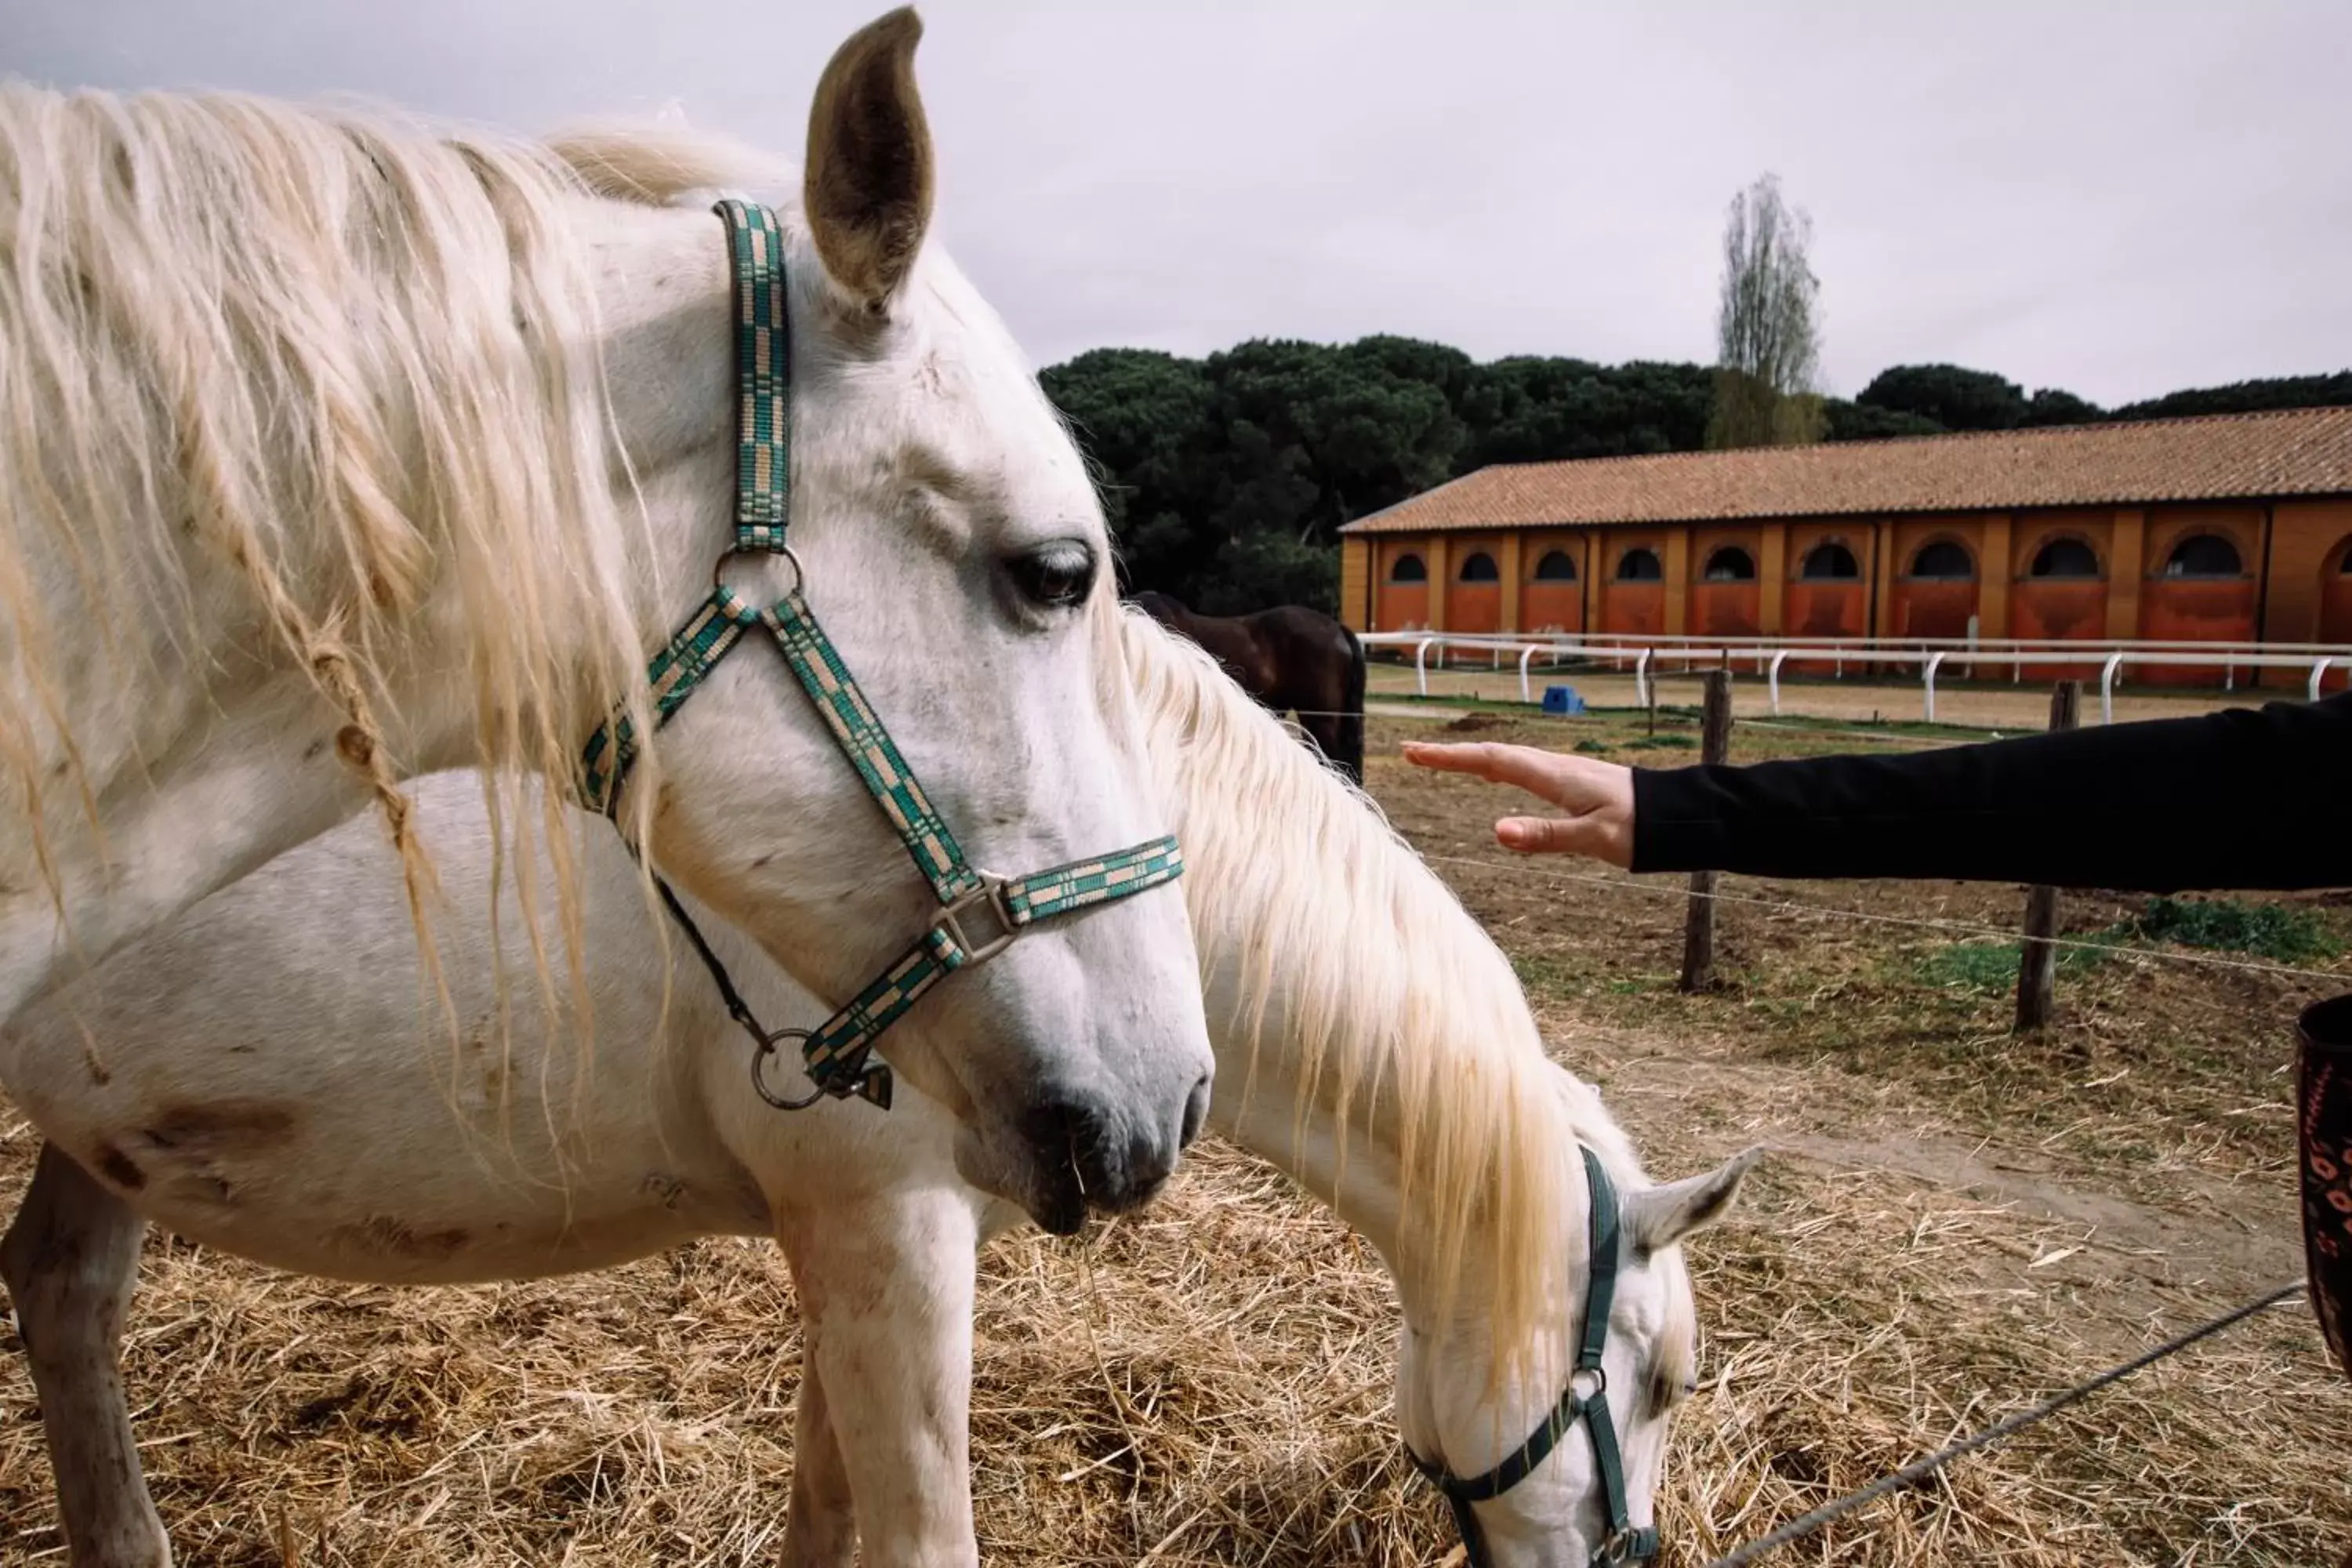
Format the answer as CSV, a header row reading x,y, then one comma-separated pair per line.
x,y
1089,1159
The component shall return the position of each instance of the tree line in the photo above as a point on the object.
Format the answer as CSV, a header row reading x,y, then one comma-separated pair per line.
x,y
1227,477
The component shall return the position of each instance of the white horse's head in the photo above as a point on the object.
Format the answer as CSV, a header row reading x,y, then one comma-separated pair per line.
x,y
1464,1402
952,545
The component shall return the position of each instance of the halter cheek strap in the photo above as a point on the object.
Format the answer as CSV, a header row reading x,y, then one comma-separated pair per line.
x,y
1586,1399
980,915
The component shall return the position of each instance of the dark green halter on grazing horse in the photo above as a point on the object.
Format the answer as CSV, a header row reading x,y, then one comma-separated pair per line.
x,y
1292,660
1585,1401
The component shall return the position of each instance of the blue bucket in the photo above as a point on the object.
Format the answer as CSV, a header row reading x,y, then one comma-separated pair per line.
x,y
1562,699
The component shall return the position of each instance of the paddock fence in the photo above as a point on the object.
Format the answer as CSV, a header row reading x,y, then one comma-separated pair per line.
x,y
1931,658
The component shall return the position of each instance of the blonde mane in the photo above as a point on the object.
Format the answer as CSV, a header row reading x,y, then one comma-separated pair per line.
x,y
268,376
1401,1017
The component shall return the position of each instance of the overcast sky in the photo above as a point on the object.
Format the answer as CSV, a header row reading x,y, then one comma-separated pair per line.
x,y
2116,198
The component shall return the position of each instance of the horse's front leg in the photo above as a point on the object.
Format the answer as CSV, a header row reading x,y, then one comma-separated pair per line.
x,y
71,1260
821,1531
886,1289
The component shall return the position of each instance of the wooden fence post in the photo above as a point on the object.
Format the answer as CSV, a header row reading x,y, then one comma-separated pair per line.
x,y
2037,965
1699,920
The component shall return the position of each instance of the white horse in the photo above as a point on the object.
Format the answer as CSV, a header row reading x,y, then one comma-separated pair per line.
x,y
1373,1040
332,448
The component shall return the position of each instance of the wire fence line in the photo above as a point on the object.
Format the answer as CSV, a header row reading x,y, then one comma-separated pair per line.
x,y
1918,1470
1827,912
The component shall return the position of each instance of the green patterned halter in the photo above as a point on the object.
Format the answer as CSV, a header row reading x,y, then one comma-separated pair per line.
x,y
980,914
1584,1401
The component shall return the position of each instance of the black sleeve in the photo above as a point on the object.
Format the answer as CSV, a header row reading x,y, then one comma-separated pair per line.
x,y
2242,798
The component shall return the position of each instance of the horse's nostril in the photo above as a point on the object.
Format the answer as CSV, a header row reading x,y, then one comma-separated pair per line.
x,y
1061,1126
1196,1111
1067,1135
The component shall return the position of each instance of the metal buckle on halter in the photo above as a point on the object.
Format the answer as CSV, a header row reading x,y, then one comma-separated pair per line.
x,y
872,1084
990,895
1619,1547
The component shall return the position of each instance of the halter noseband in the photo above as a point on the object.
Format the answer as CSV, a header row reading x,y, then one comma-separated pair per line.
x,y
980,914
1585,1399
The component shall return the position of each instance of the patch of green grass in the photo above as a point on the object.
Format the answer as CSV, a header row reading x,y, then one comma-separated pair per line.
x,y
1992,965
1665,742
1594,746
1547,976
1639,984
1970,966
1556,978
2285,933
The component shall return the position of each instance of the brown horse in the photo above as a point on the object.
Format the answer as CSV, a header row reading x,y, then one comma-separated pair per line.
x,y
1292,660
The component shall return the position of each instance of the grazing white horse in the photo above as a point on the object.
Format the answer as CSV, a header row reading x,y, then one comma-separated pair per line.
x,y
270,1100
332,448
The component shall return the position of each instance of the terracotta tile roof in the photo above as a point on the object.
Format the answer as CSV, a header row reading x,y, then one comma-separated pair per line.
x,y
2304,451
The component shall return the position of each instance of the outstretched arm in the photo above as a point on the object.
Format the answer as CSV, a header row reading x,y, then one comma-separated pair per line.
x,y
2244,798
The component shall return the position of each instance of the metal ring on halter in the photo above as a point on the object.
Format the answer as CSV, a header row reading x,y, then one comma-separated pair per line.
x,y
784,552
759,1073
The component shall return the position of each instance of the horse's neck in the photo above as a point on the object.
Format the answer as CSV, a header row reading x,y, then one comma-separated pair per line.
x,y
1358,1172
208,752
1283,1046
1371,1039
1478,1282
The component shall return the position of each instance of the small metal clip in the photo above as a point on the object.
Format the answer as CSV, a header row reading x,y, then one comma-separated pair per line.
x,y
990,895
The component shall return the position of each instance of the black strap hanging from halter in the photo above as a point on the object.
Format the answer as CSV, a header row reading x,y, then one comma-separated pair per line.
x,y
1623,1543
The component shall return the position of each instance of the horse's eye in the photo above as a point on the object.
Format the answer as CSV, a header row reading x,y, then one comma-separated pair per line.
x,y
1057,576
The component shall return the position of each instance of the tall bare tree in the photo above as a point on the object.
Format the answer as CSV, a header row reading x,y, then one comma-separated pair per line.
x,y
1768,347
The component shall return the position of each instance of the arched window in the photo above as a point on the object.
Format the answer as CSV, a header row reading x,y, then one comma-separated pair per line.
x,y
1408,568
1479,567
2065,558
1557,566
2204,555
1639,565
1730,564
1830,559
1943,560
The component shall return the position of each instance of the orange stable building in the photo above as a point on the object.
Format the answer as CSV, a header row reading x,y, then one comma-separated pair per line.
x,y
2231,529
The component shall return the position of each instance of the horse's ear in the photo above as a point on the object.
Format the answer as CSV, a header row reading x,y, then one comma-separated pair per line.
x,y
1660,1216
867,185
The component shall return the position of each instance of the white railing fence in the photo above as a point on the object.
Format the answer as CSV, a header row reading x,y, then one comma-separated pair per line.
x,y
1647,655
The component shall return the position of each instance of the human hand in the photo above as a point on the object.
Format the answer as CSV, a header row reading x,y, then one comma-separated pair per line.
x,y
1598,797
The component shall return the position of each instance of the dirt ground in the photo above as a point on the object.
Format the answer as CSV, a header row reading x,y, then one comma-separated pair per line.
x,y
1952,1224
